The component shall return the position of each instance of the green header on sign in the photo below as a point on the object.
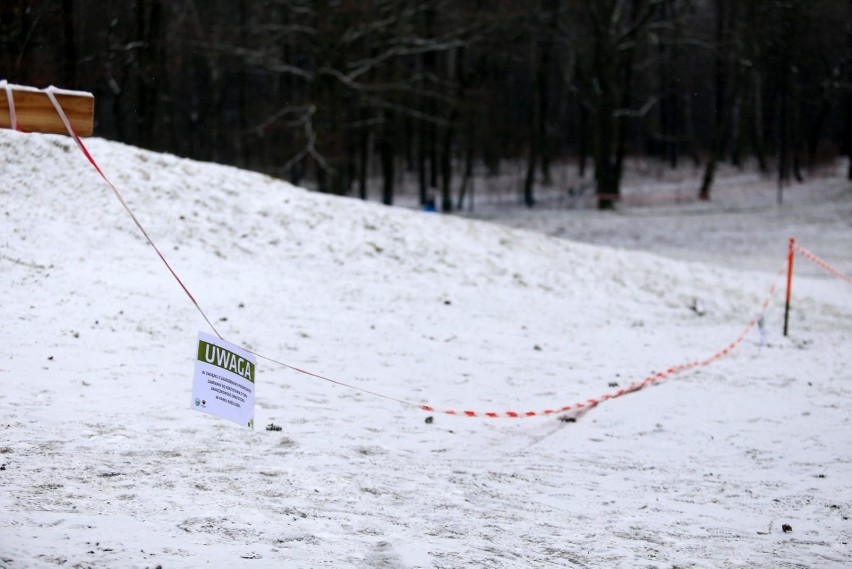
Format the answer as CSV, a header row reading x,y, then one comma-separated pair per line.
x,y
225,359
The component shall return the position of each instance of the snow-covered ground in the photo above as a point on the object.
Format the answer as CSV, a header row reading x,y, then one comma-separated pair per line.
x,y
104,464
742,227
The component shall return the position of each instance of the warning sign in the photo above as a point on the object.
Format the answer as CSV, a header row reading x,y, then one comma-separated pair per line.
x,y
223,384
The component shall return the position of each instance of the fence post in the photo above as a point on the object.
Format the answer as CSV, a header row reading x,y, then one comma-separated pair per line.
x,y
790,254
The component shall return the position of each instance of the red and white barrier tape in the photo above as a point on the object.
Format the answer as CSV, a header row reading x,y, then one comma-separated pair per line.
x,y
10,101
822,263
633,387
118,195
583,405
138,224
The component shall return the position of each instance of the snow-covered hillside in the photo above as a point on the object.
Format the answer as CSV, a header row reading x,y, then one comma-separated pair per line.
x,y
105,465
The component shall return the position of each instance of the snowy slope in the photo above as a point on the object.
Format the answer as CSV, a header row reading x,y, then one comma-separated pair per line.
x,y
105,465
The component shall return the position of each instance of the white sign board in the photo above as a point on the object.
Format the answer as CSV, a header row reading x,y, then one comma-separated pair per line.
x,y
223,384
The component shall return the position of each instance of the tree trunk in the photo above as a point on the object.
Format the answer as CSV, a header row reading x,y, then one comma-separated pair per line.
x,y
447,165
621,124
534,139
689,127
736,156
430,64
70,66
848,134
16,31
364,161
545,71
796,130
149,32
716,154
669,104
605,168
468,172
709,175
759,130
783,138
529,179
584,139
727,93
534,131
386,151
242,107
453,62
720,136
422,182
816,129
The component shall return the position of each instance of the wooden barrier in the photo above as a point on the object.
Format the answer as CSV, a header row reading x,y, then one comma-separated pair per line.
x,y
35,113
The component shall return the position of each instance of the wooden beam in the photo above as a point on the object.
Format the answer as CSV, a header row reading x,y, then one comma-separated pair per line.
x,y
35,112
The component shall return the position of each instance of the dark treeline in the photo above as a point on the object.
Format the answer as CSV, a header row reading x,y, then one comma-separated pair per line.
x,y
345,94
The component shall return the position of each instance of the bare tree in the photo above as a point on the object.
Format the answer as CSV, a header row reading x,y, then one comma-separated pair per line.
x,y
327,94
616,38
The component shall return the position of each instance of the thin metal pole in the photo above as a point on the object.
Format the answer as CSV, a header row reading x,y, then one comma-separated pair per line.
x,y
790,254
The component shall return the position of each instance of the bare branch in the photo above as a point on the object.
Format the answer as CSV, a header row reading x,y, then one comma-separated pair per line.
x,y
310,148
639,113
280,115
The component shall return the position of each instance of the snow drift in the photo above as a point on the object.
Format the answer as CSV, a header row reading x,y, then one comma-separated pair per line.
x,y
104,464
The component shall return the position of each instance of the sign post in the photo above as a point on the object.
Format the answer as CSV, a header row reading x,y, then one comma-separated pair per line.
x,y
223,384
790,254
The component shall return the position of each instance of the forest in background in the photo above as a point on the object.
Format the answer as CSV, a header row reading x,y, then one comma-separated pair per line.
x,y
344,95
